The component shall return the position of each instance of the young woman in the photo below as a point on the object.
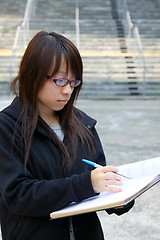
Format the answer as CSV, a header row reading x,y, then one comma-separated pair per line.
x,y
42,143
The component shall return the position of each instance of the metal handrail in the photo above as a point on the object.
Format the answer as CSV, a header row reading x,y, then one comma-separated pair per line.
x,y
16,39
129,22
126,17
26,20
17,42
20,40
133,34
141,57
77,24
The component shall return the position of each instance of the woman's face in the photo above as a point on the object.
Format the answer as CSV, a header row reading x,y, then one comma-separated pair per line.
x,y
52,97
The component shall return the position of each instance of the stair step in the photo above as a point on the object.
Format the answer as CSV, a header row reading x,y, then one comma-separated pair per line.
x,y
100,34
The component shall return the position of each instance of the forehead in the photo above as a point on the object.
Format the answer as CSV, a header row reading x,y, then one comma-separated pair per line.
x,y
61,67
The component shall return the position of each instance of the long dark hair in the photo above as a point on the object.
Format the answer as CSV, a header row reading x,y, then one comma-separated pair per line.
x,y
43,49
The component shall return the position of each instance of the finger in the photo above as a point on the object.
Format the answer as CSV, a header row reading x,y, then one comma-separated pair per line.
x,y
111,175
113,182
110,169
110,182
113,189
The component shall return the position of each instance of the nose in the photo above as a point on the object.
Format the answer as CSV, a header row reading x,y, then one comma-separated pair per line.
x,y
67,90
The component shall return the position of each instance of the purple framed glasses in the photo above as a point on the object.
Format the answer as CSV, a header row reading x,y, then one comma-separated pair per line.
x,y
62,82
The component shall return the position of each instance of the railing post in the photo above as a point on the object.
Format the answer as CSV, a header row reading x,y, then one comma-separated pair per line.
x,y
77,24
141,56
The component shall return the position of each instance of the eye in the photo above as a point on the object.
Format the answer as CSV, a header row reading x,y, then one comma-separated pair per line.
x,y
75,83
61,81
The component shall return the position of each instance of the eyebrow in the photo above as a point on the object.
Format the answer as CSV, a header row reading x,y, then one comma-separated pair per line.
x,y
65,73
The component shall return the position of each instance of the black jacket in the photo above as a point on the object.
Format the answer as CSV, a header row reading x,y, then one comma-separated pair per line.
x,y
27,198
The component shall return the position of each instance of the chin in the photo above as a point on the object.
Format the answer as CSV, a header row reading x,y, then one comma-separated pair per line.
x,y
58,109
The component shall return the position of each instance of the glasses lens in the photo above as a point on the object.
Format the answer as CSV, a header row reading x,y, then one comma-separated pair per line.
x,y
61,82
75,83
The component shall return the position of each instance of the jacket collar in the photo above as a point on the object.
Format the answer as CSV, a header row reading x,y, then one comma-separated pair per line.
x,y
14,109
87,120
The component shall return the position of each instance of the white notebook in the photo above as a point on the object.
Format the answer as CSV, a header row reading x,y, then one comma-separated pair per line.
x,y
143,174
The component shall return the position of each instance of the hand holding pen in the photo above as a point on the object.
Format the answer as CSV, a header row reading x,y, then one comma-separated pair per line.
x,y
103,178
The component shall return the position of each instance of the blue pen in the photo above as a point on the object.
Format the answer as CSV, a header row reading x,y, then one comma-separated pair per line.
x,y
91,163
97,166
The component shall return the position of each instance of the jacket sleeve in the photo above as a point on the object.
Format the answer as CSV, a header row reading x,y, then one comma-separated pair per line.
x,y
24,195
121,210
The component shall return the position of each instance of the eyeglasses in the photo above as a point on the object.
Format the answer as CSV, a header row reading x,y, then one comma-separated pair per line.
x,y
62,82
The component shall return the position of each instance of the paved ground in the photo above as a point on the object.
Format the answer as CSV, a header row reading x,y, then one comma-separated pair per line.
x,y
129,130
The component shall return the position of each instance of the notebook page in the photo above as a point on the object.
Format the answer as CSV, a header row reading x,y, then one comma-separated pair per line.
x,y
141,169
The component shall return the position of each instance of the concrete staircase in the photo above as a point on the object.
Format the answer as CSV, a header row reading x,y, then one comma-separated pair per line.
x,y
110,69
146,15
121,71
10,17
107,69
